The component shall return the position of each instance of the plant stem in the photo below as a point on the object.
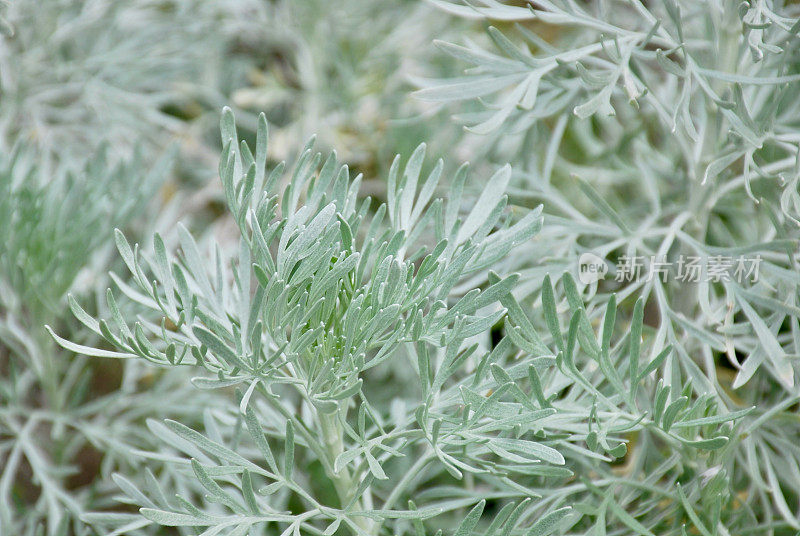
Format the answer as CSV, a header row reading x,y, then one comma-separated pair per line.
x,y
334,446
406,480
343,481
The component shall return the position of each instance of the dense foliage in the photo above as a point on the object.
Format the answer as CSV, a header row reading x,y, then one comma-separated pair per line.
x,y
593,328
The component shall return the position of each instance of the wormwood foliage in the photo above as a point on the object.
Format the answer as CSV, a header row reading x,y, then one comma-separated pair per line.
x,y
54,239
692,108
660,131
320,293
425,361
80,73
338,70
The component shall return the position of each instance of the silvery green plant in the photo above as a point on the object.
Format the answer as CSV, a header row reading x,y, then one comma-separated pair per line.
x,y
320,293
77,74
62,423
721,115
365,391
405,364
88,100
339,72
660,130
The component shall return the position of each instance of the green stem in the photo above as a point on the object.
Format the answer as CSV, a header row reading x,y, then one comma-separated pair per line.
x,y
334,446
406,480
343,481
